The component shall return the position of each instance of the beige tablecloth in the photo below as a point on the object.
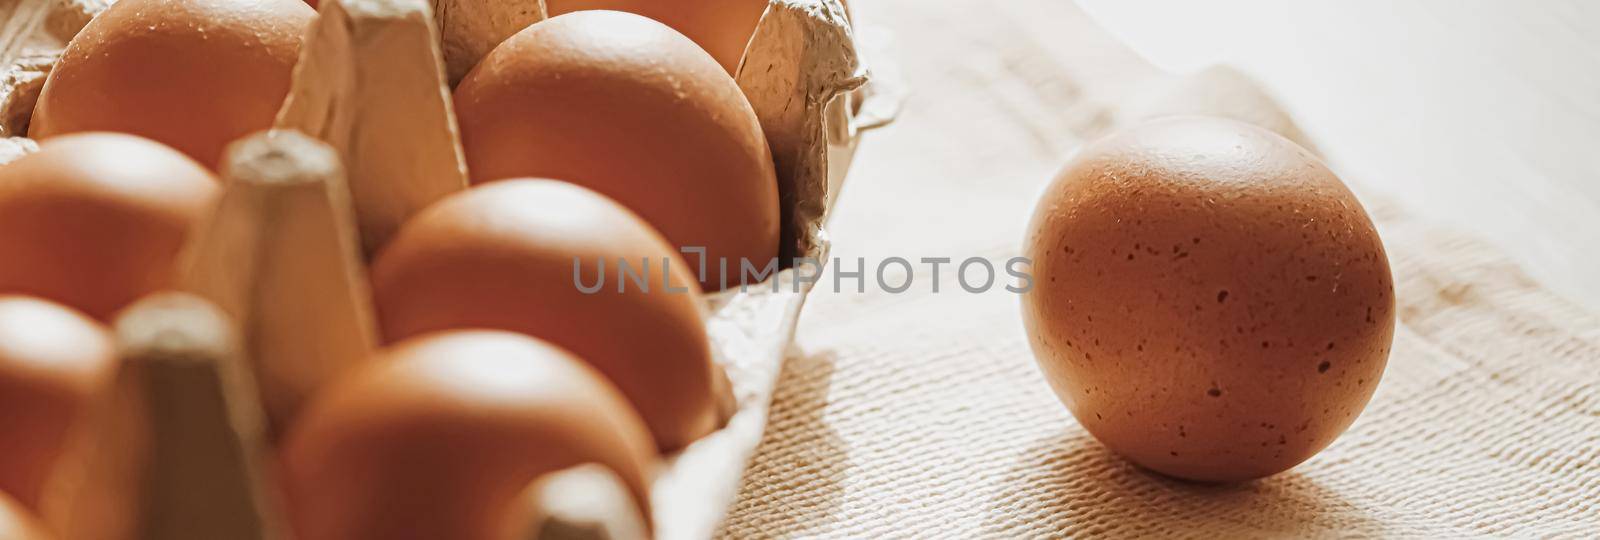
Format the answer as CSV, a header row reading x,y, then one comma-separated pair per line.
x,y
923,415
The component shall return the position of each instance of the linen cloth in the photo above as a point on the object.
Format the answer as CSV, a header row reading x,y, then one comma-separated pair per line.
x,y
923,415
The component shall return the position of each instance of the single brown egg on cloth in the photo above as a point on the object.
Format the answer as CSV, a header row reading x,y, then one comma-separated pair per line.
x,y
722,27
191,74
628,107
53,362
545,258
97,220
1210,301
439,436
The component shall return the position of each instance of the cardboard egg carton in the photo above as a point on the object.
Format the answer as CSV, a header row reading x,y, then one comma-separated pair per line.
x,y
282,257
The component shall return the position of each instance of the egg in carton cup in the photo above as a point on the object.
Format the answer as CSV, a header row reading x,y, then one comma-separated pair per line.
x,y
281,258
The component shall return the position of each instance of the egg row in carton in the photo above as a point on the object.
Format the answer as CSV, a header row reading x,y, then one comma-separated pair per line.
x,y
281,270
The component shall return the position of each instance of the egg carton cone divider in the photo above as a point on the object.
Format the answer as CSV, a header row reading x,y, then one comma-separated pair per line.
x,y
175,447
371,83
587,501
469,29
279,255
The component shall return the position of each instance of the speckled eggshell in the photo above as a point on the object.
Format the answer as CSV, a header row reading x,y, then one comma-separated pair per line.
x,y
1210,301
191,74
503,256
437,438
625,106
96,220
721,27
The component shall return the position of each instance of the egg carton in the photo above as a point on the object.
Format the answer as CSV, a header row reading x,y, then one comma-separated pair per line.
x,y
373,83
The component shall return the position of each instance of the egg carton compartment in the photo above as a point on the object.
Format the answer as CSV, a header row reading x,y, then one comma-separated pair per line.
x,y
374,83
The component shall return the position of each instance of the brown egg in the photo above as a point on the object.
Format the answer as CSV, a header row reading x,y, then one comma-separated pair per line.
x,y
503,256
52,362
17,523
96,220
629,108
191,74
721,27
439,436
1209,300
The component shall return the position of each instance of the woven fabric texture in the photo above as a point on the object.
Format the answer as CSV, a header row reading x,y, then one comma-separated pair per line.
x,y
922,414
